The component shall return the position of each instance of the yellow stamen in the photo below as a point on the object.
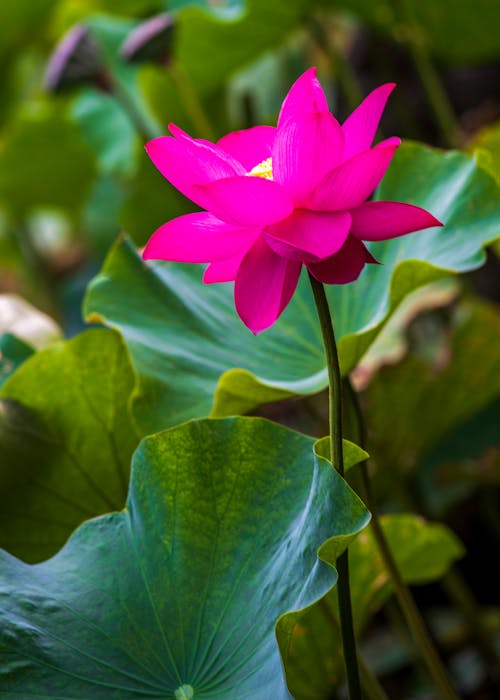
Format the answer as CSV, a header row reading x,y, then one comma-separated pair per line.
x,y
263,169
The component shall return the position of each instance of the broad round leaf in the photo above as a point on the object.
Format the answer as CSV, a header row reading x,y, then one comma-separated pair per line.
x,y
66,439
178,595
187,342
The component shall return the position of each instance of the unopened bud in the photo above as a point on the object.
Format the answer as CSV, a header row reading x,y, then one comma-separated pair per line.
x,y
150,41
75,60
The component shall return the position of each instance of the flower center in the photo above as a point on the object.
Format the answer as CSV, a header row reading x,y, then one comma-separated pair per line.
x,y
263,169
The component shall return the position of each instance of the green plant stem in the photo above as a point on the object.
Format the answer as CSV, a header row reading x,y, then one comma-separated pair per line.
x,y
404,597
192,105
429,77
146,130
336,451
341,67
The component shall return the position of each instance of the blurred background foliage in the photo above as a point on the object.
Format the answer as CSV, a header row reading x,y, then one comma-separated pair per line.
x,y
233,60
74,175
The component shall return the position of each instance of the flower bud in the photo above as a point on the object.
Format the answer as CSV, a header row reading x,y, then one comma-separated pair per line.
x,y
75,60
150,41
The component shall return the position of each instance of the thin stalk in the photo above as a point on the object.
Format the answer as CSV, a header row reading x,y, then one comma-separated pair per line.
x,y
341,67
428,75
336,451
187,95
144,128
191,103
106,82
404,597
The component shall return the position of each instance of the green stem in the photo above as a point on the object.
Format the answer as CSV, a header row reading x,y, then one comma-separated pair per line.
x,y
144,128
341,67
336,451
192,105
429,77
404,597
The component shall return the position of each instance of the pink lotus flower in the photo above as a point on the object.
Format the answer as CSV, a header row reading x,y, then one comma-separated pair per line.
x,y
277,198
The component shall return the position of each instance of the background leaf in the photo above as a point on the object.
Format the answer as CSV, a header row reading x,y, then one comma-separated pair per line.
x,y
38,164
173,324
108,131
423,551
66,439
413,404
218,539
449,31
443,407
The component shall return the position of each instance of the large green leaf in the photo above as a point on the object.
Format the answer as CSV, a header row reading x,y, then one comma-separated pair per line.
x,y
177,596
424,552
66,439
412,405
37,164
183,336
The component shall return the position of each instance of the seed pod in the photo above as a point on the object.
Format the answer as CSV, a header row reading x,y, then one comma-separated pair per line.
x,y
75,60
150,41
